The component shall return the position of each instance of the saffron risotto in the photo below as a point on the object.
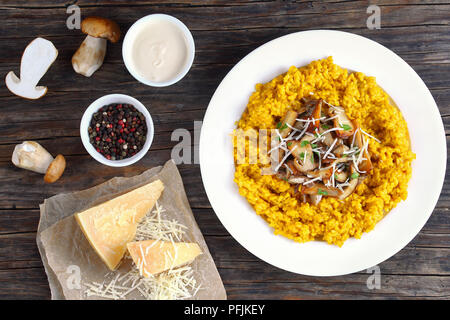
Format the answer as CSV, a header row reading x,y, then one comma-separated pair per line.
x,y
332,220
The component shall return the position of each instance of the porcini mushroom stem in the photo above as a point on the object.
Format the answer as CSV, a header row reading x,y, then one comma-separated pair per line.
x,y
32,156
89,56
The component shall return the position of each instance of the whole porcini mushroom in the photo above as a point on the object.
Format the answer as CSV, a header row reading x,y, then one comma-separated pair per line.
x,y
91,53
32,156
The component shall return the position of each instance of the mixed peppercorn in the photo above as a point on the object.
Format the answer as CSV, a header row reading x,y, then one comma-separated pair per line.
x,y
117,131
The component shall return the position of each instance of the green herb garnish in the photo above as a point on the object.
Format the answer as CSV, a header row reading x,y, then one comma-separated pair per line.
x,y
284,126
346,127
279,125
322,192
313,145
354,175
304,143
325,126
289,143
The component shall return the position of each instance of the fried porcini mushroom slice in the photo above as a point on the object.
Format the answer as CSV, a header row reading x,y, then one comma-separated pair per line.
x,y
293,175
315,199
342,122
327,137
324,173
340,149
91,53
353,184
321,189
296,179
341,176
293,168
287,123
304,157
30,155
316,114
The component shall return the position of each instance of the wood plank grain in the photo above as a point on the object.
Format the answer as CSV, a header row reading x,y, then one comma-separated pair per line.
x,y
27,284
70,126
27,191
316,15
31,284
19,246
392,287
419,267
18,221
412,260
26,220
201,81
417,44
198,3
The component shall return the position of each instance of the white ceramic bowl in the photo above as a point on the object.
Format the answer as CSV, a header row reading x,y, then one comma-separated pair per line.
x,y
129,40
397,78
106,100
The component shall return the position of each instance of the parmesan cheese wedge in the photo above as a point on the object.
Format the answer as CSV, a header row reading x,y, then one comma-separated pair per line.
x,y
111,225
155,256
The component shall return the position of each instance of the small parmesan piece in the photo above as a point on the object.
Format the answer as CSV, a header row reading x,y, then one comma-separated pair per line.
x,y
163,256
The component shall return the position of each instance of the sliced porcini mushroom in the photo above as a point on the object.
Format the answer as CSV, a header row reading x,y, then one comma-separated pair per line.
x,y
91,53
345,125
331,161
366,164
353,183
324,173
301,197
340,176
326,138
316,114
301,109
296,179
340,149
304,157
37,57
287,123
292,167
308,104
321,189
315,198
30,155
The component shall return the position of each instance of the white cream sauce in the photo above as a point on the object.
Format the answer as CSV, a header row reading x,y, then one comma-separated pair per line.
x,y
159,51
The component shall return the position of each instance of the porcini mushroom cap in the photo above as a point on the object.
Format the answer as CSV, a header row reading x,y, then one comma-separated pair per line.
x,y
55,169
98,27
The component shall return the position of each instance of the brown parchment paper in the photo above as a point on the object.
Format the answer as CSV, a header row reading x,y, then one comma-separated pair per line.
x,y
68,257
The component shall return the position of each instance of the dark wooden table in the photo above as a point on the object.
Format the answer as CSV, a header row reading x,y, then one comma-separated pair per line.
x,y
224,32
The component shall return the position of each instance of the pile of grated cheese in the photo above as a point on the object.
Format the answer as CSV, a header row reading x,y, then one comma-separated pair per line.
x,y
173,284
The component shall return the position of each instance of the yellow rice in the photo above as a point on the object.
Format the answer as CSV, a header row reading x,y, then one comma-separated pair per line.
x,y
331,220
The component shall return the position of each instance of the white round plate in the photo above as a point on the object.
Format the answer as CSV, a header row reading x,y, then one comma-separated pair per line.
x,y
352,52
